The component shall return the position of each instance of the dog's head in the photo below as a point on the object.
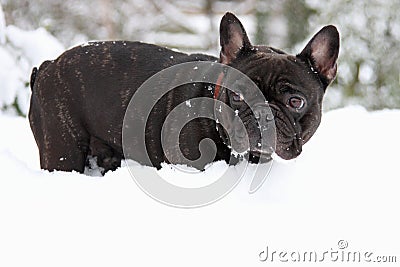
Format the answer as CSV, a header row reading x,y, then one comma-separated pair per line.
x,y
293,85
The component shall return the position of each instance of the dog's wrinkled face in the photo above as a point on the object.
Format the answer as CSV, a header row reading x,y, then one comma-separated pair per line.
x,y
293,86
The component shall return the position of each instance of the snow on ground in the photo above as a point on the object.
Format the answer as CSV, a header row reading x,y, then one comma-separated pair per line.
x,y
345,186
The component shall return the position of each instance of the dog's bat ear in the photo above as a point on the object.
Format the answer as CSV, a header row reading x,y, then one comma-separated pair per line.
x,y
322,51
233,38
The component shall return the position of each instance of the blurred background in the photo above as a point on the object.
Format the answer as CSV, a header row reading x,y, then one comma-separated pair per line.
x,y
369,69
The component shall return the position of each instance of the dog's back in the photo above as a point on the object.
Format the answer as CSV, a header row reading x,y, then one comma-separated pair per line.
x,y
84,93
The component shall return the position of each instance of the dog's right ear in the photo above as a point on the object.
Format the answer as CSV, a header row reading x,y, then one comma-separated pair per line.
x,y
322,51
233,38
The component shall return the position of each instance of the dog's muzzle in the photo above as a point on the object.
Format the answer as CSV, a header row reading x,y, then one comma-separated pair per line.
x,y
255,134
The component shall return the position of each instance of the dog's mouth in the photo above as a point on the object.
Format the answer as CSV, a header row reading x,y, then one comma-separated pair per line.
x,y
289,135
262,155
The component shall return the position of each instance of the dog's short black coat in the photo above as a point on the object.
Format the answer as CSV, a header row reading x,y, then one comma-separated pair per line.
x,y
79,100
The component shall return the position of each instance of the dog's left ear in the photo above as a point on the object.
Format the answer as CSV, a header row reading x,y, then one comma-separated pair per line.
x,y
233,38
322,51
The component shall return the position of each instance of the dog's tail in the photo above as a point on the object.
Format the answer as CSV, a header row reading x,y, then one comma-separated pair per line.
x,y
35,73
33,77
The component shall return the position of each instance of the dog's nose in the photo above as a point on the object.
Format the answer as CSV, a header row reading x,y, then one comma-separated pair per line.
x,y
263,115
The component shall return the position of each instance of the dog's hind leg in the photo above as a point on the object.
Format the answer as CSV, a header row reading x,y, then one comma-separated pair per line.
x,y
63,152
59,149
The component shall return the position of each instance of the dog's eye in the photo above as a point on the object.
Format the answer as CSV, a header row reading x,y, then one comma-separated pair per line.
x,y
296,102
237,97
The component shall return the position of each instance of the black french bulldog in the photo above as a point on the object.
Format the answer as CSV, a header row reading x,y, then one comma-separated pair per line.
x,y
79,100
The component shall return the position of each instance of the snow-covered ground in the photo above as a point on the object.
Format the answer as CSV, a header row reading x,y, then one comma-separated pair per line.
x,y
344,186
